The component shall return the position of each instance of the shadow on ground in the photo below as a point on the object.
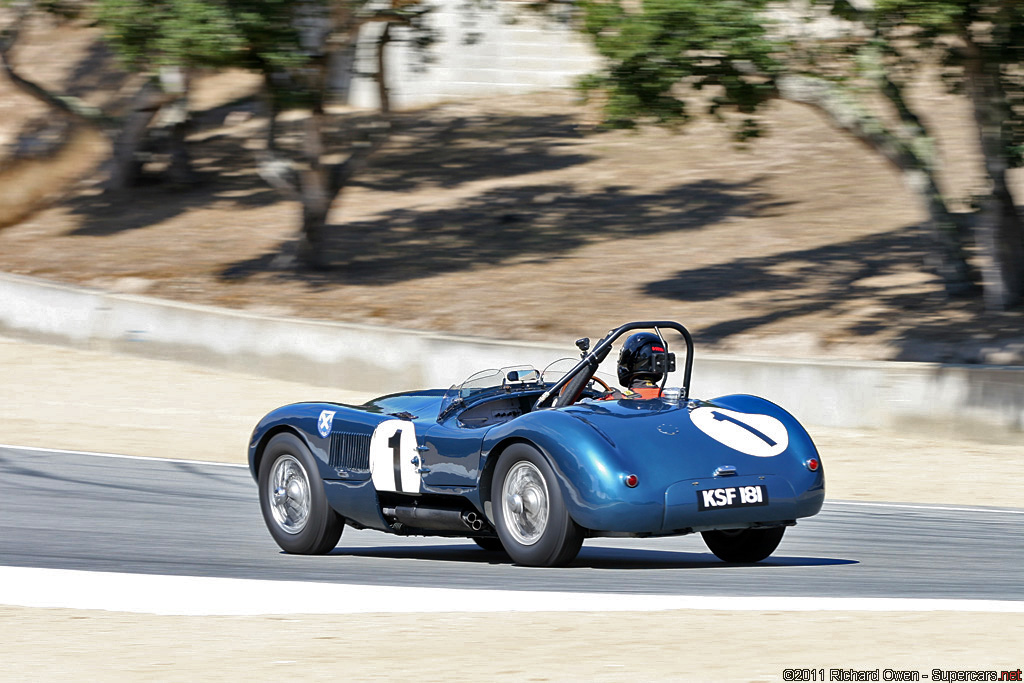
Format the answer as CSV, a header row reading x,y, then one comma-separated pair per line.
x,y
424,152
532,223
589,557
446,152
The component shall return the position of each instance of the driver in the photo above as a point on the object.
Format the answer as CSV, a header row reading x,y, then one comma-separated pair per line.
x,y
636,366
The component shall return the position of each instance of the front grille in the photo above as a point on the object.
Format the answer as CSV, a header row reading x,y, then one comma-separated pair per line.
x,y
350,451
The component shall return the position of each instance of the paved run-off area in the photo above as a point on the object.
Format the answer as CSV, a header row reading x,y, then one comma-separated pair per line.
x,y
62,398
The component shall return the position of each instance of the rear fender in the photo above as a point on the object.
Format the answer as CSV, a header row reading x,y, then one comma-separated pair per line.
x,y
801,446
799,439
590,470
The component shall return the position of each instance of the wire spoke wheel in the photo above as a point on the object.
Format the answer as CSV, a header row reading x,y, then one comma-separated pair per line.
x,y
293,500
531,518
289,494
525,502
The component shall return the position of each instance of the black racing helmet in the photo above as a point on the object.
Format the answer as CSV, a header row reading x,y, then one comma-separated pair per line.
x,y
644,356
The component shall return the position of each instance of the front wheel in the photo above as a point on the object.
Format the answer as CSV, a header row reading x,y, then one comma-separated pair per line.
x,y
529,513
293,501
743,545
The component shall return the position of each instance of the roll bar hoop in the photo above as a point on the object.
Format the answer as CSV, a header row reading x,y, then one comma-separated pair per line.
x,y
599,352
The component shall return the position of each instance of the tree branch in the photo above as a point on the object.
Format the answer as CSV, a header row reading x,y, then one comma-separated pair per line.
x,y
846,113
278,172
342,173
70,106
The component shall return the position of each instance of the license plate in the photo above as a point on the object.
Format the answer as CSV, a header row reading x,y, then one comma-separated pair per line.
x,y
732,497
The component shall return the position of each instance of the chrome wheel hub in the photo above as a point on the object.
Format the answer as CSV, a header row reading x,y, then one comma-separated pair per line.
x,y
524,500
289,494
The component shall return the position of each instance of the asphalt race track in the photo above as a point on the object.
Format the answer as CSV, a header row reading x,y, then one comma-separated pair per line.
x,y
76,511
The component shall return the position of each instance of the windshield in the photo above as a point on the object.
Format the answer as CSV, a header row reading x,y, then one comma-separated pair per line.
x,y
558,369
492,381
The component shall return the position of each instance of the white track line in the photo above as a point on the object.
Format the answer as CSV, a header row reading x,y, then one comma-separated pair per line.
x,y
59,451
912,506
201,596
907,506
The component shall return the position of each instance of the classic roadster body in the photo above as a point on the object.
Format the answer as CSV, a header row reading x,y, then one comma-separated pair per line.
x,y
534,463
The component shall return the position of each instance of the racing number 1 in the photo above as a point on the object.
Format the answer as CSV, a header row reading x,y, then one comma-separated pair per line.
x,y
393,457
395,443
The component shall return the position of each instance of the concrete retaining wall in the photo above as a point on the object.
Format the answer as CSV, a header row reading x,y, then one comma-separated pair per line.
x,y
978,402
503,47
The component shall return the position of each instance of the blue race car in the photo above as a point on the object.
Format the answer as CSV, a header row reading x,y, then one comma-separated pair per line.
x,y
533,463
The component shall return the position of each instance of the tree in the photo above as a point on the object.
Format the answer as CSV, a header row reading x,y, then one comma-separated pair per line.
x,y
981,45
298,77
162,60
291,43
658,49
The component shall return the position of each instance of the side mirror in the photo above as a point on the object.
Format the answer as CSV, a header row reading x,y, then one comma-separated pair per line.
x,y
583,345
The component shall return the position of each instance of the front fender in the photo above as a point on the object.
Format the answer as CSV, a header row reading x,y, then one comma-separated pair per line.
x,y
302,419
294,418
354,496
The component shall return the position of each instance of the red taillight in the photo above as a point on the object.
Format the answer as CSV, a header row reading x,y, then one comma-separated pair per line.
x,y
632,481
813,464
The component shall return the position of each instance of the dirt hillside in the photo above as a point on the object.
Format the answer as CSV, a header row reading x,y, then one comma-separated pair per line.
x,y
516,217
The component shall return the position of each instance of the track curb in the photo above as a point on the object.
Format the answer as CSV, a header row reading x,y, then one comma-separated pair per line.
x,y
965,401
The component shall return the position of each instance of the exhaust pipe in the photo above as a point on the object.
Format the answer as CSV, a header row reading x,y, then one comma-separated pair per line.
x,y
436,519
472,519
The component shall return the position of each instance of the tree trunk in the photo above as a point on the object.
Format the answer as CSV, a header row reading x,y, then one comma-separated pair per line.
x,y
951,235
125,133
175,116
65,105
382,82
1000,232
950,259
316,194
127,138
312,181
130,132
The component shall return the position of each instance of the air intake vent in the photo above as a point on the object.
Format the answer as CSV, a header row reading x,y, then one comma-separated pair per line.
x,y
350,451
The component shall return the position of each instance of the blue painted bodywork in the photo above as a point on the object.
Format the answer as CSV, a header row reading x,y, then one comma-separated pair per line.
x,y
592,445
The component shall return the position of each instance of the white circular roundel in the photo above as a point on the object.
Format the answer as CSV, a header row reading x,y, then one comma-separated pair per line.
x,y
759,435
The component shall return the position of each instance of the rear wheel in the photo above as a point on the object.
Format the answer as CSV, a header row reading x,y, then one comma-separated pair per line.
x,y
529,512
293,501
744,545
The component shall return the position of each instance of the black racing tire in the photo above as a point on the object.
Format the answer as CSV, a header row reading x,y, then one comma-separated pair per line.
x,y
489,543
529,512
743,545
293,501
